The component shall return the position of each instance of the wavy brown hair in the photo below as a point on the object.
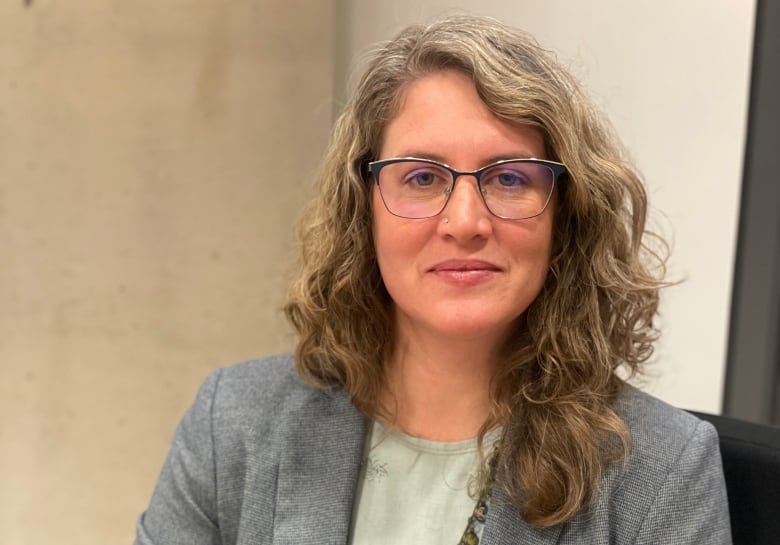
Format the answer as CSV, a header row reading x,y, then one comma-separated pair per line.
x,y
555,391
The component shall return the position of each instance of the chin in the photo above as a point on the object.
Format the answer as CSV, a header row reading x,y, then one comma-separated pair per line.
x,y
476,329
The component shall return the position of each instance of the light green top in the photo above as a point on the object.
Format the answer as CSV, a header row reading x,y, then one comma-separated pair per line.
x,y
414,490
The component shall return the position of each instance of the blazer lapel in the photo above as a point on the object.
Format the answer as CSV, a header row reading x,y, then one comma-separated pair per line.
x,y
505,526
318,477
318,472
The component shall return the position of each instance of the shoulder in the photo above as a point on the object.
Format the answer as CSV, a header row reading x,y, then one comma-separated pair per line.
x,y
267,399
657,427
661,433
263,381
252,431
671,488
261,395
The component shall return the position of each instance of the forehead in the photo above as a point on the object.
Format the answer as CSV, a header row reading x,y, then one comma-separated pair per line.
x,y
441,116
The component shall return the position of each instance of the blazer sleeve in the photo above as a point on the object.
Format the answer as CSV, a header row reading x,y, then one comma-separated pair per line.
x,y
183,508
691,506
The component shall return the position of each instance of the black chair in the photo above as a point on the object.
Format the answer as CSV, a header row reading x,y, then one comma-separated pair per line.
x,y
751,465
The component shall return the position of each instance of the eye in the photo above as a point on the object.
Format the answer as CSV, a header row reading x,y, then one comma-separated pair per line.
x,y
421,177
507,177
425,176
511,178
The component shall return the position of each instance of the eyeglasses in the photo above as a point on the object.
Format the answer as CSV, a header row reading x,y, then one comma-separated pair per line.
x,y
515,189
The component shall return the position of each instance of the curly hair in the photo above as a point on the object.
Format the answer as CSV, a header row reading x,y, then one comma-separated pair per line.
x,y
555,391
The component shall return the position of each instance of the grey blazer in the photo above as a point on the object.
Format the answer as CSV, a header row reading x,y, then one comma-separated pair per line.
x,y
261,458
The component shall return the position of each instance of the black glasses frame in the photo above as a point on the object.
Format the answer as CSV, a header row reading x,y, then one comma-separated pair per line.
x,y
558,170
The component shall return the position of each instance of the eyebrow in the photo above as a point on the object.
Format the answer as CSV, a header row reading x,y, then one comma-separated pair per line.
x,y
440,158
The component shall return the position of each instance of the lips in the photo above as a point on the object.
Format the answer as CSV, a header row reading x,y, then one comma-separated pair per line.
x,y
465,272
465,265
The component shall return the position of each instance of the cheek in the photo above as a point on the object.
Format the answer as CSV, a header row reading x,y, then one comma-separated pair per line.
x,y
545,246
385,240
532,250
394,247
401,251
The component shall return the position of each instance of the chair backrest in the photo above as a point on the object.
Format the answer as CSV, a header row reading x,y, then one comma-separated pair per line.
x,y
751,465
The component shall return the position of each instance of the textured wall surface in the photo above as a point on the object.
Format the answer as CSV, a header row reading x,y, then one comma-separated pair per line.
x,y
153,159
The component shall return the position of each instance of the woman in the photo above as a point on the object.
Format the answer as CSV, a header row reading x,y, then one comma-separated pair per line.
x,y
474,273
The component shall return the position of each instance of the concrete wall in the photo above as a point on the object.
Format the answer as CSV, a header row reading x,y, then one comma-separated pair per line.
x,y
673,78
153,158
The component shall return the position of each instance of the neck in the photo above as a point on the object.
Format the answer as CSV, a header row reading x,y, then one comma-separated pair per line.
x,y
439,388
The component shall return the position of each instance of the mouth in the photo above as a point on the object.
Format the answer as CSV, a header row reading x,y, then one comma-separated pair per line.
x,y
465,273
464,266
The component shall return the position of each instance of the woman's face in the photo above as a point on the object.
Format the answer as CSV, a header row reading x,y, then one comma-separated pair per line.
x,y
464,273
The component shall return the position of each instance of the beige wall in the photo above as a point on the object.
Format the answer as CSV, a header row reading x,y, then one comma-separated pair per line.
x,y
153,157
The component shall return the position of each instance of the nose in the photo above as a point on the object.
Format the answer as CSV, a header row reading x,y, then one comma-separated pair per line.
x,y
466,213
